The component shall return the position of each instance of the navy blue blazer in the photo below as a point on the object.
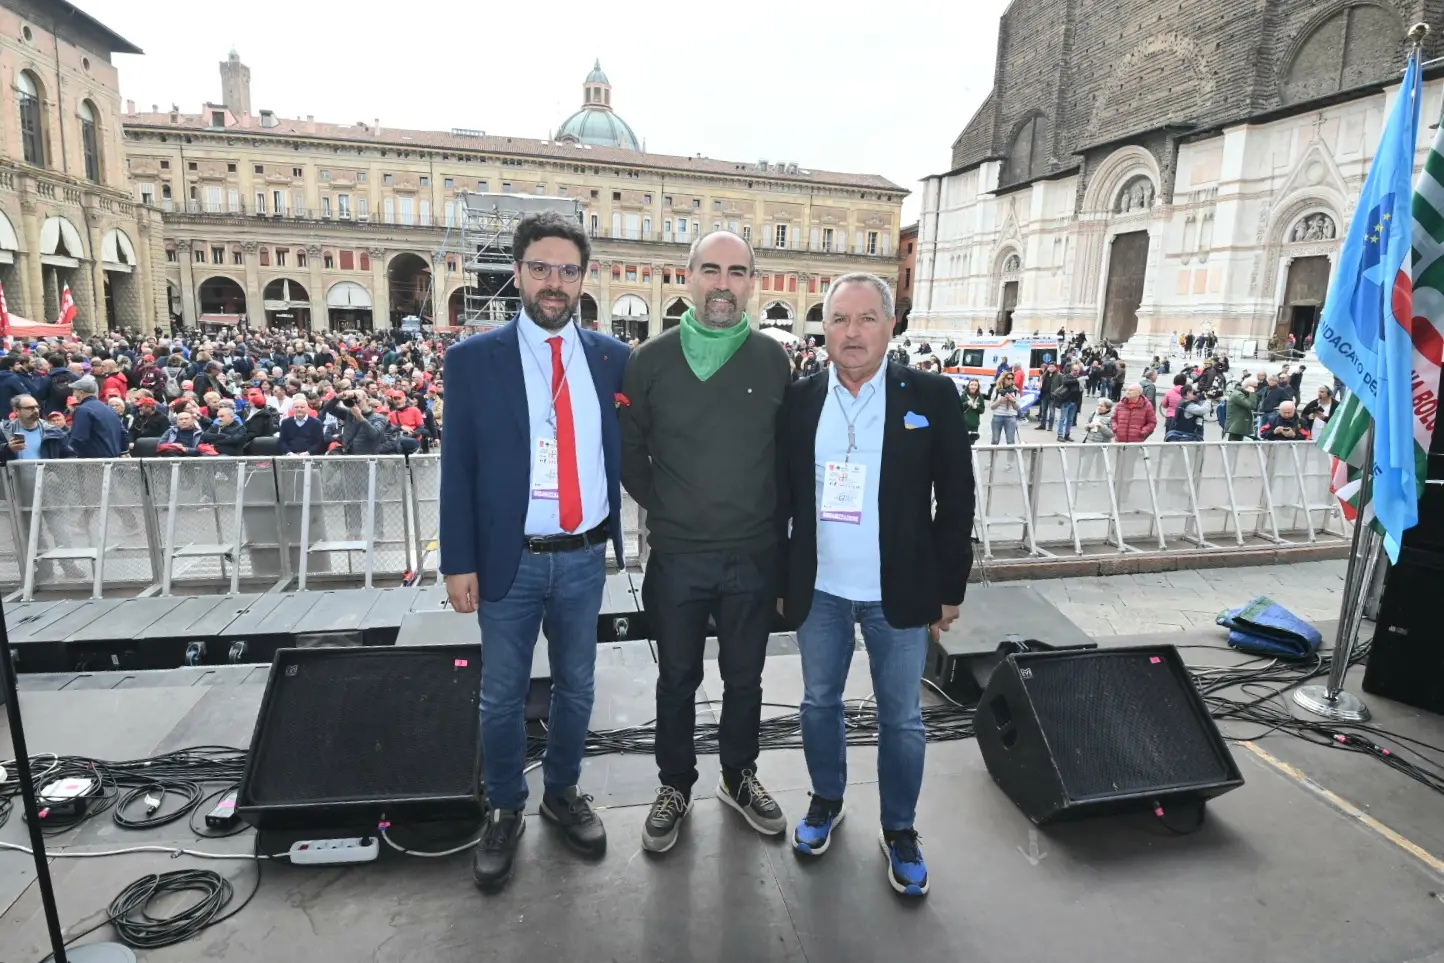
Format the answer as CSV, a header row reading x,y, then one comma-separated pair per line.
x,y
486,452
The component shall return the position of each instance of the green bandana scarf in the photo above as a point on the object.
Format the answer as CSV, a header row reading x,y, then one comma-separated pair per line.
x,y
708,349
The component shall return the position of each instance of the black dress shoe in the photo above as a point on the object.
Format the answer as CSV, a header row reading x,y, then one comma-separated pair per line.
x,y
496,853
572,811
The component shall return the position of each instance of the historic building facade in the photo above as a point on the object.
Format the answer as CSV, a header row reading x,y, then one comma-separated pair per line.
x,y
906,271
292,221
66,211
1155,168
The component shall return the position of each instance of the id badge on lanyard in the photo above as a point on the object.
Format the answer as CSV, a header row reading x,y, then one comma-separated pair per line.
x,y
544,472
843,488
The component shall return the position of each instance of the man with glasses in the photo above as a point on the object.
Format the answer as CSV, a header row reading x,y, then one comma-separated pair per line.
x,y
699,454
28,438
530,499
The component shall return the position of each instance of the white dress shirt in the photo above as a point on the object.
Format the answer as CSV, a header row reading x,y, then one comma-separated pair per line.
x,y
543,516
849,557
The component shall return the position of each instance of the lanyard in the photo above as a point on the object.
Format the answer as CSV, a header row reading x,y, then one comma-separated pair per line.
x,y
852,422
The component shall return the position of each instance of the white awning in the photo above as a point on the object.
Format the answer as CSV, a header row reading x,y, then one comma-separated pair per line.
x,y
53,231
8,240
117,252
629,306
348,294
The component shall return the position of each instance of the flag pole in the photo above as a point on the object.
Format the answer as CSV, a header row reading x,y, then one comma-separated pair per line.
x,y
1331,700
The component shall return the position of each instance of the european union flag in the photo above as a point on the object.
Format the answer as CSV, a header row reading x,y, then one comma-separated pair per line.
x,y
1364,334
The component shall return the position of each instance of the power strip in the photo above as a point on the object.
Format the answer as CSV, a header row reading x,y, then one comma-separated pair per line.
x,y
323,852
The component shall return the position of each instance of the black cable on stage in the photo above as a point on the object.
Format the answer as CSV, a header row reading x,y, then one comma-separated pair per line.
x,y
129,911
137,928
184,773
154,796
1263,681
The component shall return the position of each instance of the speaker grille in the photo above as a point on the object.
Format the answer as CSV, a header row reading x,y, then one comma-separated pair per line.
x,y
382,724
1119,723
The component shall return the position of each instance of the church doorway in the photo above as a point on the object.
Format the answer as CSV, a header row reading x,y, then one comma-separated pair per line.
x,y
1010,304
1127,267
1304,293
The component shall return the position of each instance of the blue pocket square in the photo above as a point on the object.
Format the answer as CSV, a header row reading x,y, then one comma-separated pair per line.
x,y
913,420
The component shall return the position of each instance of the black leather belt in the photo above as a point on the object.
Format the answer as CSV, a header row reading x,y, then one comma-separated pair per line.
x,y
544,544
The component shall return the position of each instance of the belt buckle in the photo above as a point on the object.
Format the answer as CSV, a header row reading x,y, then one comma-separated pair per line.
x,y
534,545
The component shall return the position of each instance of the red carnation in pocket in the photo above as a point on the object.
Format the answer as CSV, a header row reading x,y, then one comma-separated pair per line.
x,y
622,400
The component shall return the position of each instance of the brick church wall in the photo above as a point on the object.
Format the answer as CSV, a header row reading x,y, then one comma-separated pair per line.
x,y
1114,73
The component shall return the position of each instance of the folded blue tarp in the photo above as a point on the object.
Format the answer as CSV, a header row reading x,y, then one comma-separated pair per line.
x,y
1265,627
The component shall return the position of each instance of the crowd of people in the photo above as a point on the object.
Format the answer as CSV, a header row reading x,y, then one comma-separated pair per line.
x,y
1181,403
230,392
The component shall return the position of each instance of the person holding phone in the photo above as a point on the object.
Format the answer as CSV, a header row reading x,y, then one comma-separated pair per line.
x,y
28,438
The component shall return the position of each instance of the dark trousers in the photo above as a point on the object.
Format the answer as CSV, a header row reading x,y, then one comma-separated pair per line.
x,y
738,591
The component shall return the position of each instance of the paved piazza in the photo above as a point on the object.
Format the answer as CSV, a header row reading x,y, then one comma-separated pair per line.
x,y
1180,601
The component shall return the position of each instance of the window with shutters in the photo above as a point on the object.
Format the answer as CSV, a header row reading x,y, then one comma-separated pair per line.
x,y
89,141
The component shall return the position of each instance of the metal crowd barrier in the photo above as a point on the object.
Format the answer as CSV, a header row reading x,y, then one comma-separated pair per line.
x,y
1046,501
164,524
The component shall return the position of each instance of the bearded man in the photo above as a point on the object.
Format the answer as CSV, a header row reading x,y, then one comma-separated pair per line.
x,y
699,453
530,499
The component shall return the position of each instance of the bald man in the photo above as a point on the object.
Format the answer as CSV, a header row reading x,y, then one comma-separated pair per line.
x,y
699,454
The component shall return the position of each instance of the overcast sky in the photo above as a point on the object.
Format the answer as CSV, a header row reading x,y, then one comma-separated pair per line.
x,y
884,91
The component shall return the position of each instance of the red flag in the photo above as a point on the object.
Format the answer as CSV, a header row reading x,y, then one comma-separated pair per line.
x,y
4,314
67,307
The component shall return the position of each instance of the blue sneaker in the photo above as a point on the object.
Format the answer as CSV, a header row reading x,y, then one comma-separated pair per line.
x,y
906,871
814,833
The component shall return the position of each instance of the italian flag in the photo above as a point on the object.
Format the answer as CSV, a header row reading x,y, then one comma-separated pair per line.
x,y
1345,435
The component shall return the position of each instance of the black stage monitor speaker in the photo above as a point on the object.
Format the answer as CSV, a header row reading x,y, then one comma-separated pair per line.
x,y
346,736
1406,659
1074,734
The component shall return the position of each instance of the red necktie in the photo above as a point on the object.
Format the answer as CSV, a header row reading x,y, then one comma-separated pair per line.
x,y
569,487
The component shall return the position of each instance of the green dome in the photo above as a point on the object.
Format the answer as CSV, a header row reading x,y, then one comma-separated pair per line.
x,y
597,125
596,76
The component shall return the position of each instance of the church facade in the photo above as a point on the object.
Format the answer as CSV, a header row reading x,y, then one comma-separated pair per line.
x,y
1165,167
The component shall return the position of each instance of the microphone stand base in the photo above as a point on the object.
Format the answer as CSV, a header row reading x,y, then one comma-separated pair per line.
x,y
1342,707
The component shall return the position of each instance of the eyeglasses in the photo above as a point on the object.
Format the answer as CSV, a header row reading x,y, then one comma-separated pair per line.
x,y
541,270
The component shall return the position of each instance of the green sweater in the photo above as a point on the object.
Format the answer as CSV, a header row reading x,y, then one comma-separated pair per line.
x,y
701,456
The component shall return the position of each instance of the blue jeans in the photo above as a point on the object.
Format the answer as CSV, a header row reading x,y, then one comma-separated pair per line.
x,y
1067,414
896,657
561,593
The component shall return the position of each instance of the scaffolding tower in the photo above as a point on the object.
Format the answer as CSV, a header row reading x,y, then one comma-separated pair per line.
x,y
487,223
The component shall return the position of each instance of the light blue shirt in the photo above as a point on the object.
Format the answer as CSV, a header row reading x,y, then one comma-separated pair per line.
x,y
849,557
543,516
33,439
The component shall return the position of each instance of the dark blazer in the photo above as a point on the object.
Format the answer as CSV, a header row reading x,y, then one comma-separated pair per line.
x,y
296,439
926,554
486,460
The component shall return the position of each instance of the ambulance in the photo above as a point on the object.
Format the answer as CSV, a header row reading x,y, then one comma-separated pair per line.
x,y
979,358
